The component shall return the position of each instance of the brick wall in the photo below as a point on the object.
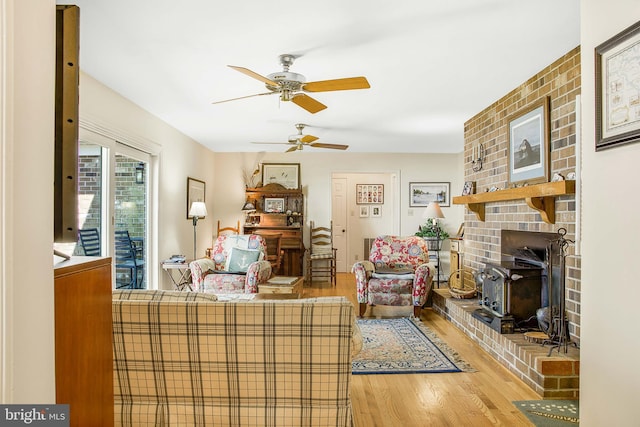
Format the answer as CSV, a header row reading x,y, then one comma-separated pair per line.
x,y
560,81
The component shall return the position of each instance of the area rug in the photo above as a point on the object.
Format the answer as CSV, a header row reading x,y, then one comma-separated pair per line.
x,y
403,346
550,413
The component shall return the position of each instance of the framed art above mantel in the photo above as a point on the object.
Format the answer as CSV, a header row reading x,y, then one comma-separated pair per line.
x,y
528,147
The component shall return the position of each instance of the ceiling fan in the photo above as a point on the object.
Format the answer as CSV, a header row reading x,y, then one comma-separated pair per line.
x,y
290,86
299,141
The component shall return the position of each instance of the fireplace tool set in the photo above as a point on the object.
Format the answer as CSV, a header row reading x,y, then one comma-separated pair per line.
x,y
553,320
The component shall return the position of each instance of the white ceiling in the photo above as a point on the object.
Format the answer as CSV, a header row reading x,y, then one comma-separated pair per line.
x,y
432,65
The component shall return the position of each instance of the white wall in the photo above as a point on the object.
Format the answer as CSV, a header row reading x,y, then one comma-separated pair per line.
x,y
609,374
179,157
316,169
27,31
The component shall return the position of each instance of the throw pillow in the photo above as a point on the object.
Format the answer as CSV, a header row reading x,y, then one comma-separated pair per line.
x,y
239,260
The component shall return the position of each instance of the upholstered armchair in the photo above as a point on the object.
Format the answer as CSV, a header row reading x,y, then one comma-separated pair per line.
x,y
237,265
398,272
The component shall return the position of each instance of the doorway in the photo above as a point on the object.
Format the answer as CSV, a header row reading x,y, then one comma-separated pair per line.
x,y
354,222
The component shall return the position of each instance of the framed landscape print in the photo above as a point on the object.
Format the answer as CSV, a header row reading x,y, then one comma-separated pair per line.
x,y
285,174
423,193
195,193
369,194
617,91
528,144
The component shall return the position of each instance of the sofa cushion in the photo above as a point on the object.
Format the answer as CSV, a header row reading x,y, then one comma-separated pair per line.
x,y
161,295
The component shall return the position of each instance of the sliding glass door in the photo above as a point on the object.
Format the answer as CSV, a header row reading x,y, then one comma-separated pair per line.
x,y
113,199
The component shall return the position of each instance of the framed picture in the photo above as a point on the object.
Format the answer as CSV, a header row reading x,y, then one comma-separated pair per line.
x,y
469,188
195,193
617,93
376,211
364,211
274,205
423,193
528,147
369,194
285,174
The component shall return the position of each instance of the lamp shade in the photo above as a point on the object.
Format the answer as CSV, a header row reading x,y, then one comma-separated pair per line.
x,y
198,209
248,206
433,211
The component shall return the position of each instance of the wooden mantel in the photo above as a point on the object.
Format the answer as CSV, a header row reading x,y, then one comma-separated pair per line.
x,y
541,197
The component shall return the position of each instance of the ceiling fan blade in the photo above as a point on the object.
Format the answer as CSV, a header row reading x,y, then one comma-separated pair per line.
x,y
278,143
308,103
243,97
338,84
332,146
294,148
308,138
255,75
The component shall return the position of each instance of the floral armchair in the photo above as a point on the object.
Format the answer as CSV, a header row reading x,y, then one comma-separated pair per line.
x,y
398,272
237,265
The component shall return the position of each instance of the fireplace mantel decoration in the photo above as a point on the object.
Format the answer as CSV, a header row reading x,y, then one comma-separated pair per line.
x,y
541,197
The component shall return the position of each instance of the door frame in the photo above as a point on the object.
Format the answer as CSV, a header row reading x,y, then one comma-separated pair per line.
x,y
119,142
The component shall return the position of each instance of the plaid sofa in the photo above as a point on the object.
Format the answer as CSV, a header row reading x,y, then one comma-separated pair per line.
x,y
185,359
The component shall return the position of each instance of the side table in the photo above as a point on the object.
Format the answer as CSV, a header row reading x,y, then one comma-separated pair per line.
x,y
282,285
179,273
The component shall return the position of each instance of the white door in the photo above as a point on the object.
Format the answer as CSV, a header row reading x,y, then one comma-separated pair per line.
x,y
339,218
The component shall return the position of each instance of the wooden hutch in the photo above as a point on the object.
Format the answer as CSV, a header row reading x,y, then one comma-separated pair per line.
x,y
279,210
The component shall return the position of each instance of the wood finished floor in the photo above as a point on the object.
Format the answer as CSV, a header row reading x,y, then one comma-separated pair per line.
x,y
481,398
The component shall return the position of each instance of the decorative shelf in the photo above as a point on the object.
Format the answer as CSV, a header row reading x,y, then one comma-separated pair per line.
x,y
541,197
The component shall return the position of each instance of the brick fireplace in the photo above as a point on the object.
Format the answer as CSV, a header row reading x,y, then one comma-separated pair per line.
x,y
555,376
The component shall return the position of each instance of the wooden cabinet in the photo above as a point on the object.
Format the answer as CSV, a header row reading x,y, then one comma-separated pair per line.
x,y
279,210
83,340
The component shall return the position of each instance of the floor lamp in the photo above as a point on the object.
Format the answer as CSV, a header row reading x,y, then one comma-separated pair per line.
x,y
434,212
198,210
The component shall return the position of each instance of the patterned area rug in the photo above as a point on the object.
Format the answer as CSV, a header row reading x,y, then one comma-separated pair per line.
x,y
403,346
550,413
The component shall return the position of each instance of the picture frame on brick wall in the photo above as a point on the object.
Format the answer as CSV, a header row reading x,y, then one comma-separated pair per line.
x,y
617,97
528,144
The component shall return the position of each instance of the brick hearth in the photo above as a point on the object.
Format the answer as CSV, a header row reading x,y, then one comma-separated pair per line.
x,y
555,376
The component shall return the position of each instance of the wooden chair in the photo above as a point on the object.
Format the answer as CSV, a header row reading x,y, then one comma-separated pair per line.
x,y
90,241
274,250
321,255
228,230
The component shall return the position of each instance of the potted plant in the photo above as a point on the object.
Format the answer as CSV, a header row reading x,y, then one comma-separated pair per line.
x,y
429,232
